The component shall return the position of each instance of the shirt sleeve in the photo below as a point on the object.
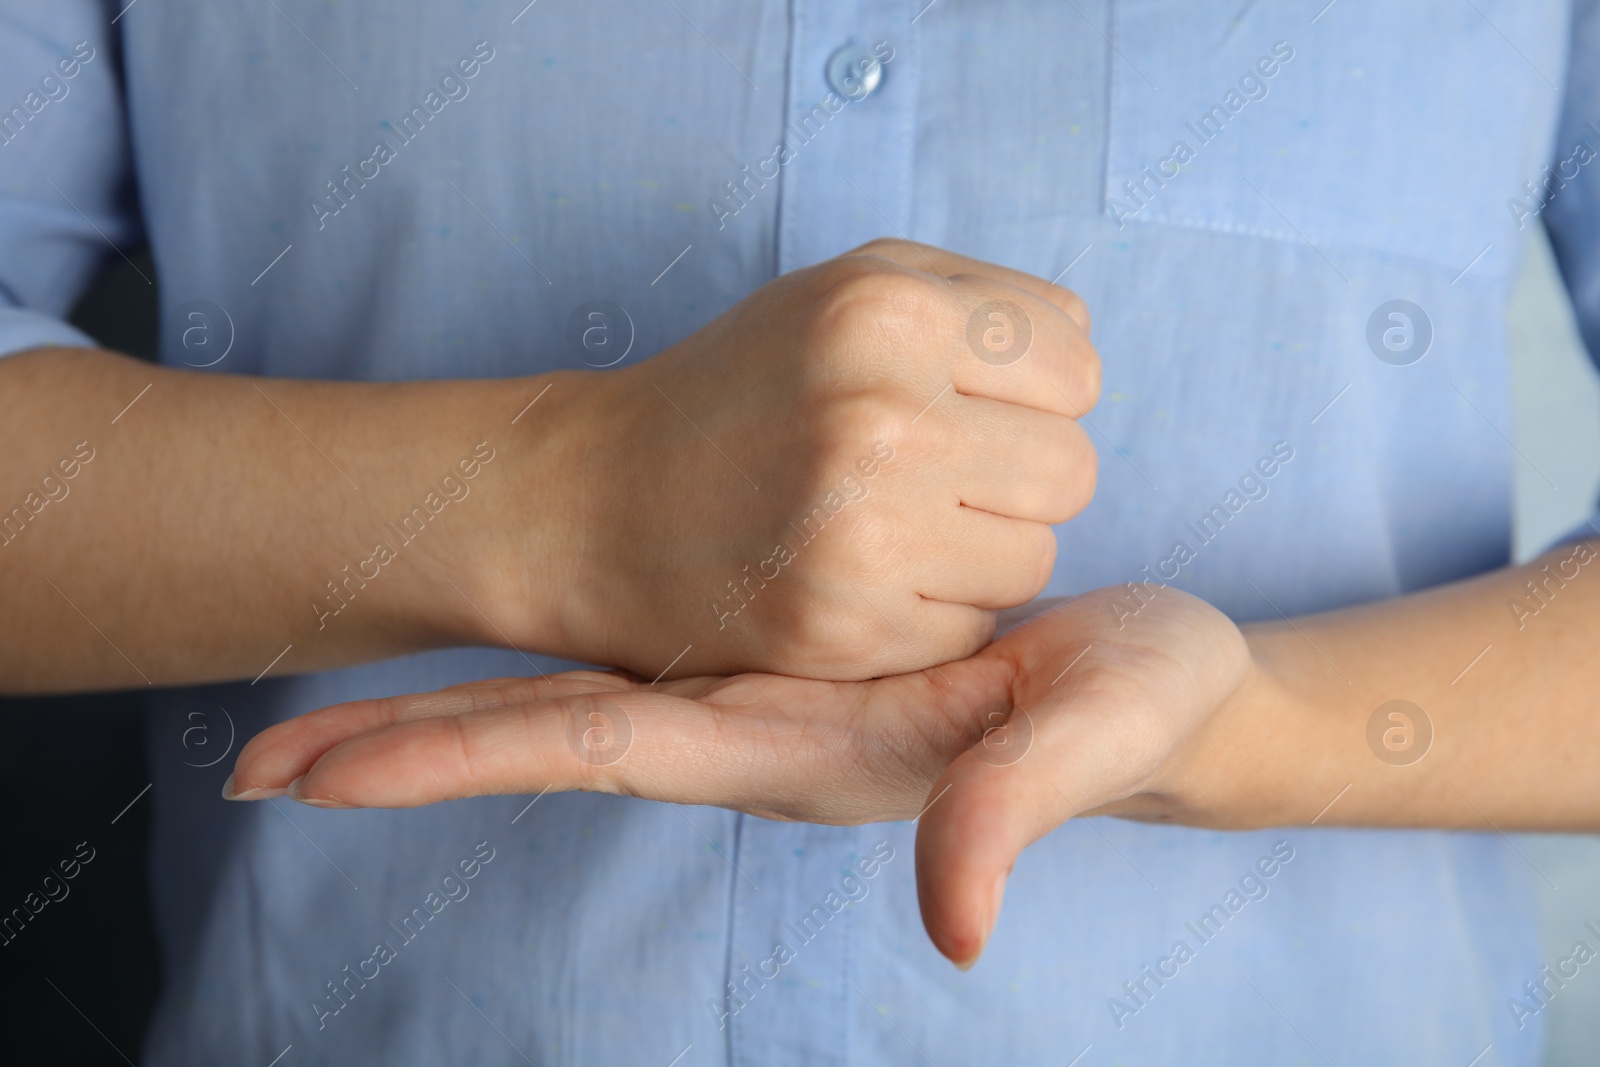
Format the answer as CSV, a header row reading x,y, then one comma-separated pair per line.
x,y
1572,189
67,200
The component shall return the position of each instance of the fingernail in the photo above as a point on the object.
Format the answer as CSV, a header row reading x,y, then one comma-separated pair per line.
x,y
996,895
992,913
315,802
255,793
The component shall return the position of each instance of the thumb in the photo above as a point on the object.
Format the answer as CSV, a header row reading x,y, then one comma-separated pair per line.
x,y
1016,785
976,825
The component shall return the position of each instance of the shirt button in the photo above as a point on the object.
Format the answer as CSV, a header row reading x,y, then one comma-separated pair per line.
x,y
854,72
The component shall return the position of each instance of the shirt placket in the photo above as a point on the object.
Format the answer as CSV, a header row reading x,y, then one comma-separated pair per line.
x,y
841,163
848,174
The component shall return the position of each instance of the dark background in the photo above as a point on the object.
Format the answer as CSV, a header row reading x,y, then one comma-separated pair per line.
x,y
68,766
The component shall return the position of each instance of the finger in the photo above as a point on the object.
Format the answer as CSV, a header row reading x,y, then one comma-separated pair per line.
x,y
644,743
1021,463
488,683
990,810
1014,785
948,264
823,752
520,747
283,752
916,634
1013,346
990,561
1007,335
1097,725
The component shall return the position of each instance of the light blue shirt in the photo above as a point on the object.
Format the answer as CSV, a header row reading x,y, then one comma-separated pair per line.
x,y
538,158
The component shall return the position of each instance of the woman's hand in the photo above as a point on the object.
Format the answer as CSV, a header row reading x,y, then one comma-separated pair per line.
x,y
838,460
1082,709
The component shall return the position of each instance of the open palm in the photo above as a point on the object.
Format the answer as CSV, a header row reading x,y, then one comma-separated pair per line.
x,y
1076,710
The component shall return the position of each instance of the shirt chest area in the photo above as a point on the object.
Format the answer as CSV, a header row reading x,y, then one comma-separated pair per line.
x,y
757,137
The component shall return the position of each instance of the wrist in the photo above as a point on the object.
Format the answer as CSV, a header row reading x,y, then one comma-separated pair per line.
x,y
1244,768
405,557
528,572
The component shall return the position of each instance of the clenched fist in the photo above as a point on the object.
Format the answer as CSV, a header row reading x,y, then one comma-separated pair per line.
x,y
842,477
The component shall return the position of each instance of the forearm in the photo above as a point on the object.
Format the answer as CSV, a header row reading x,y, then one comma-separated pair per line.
x,y
1512,694
220,519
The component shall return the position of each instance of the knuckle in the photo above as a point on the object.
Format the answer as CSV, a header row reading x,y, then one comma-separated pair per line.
x,y
868,320
887,247
826,638
1077,370
874,537
1075,307
865,426
1043,558
875,295
1029,560
1077,472
812,639
1089,371
845,545
952,641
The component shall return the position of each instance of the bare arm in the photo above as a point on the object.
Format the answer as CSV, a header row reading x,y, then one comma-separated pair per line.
x,y
1505,669
1169,713
827,480
163,526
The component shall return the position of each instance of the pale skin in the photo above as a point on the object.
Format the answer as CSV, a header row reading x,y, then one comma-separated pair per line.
x,y
1171,715
201,540
228,520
